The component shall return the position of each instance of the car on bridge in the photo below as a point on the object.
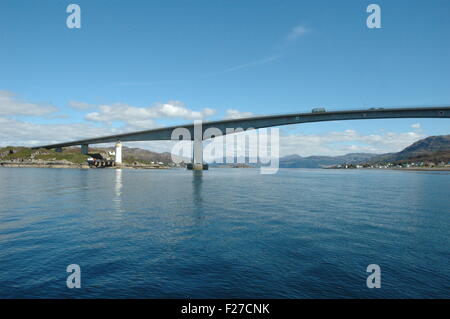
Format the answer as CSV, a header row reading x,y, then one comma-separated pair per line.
x,y
318,110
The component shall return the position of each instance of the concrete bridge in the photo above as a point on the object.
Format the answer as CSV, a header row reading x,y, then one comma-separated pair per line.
x,y
317,115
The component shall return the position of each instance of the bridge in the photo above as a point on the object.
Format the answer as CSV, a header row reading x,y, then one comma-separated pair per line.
x,y
223,127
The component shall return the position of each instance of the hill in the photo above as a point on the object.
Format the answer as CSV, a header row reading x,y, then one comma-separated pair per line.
x,y
430,149
297,161
433,149
72,156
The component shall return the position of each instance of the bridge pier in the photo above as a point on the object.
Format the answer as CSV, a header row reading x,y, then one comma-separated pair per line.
x,y
197,163
197,154
118,152
58,150
84,149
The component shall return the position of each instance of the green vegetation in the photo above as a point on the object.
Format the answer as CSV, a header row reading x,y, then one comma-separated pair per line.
x,y
27,154
11,153
76,158
130,160
73,155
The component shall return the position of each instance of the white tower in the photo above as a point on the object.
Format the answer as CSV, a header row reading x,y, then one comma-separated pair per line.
x,y
118,158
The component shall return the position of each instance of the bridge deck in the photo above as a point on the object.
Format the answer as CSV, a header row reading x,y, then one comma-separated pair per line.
x,y
268,121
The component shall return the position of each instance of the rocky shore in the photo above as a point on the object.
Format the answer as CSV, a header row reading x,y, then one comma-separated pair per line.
x,y
40,163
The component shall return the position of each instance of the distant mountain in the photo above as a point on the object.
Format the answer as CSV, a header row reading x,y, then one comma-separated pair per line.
x,y
140,155
432,148
297,161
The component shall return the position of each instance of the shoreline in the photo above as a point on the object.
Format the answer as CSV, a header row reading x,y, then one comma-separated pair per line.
x,y
75,166
396,169
86,166
415,169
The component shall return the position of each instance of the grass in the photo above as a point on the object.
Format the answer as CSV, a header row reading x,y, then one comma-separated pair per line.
x,y
21,152
131,160
71,155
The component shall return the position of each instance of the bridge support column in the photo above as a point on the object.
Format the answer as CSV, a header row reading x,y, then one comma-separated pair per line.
x,y
118,159
197,163
58,149
84,149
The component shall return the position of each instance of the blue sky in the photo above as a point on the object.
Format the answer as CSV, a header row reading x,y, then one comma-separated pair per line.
x,y
139,64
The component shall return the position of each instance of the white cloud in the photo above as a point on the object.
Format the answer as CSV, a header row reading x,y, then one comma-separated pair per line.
x,y
348,141
81,105
143,117
235,114
297,32
341,143
15,132
11,105
416,126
